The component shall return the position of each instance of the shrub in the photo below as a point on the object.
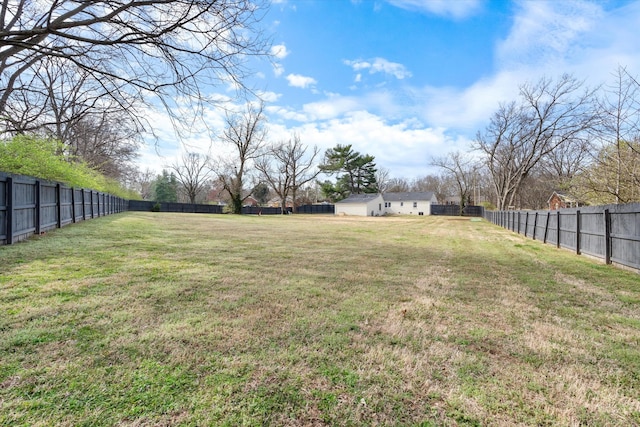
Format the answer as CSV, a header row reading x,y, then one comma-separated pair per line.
x,y
44,158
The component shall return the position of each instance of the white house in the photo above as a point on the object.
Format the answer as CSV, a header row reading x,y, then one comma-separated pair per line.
x,y
410,203
361,205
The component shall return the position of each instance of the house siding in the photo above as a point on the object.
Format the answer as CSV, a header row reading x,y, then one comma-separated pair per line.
x,y
373,207
409,205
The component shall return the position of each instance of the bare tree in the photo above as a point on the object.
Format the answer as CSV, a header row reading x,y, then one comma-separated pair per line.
x,y
71,108
193,173
286,168
137,50
461,170
521,134
142,183
383,177
397,185
614,164
246,134
439,184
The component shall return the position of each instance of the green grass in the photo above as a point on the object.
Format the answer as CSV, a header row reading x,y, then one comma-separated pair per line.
x,y
177,319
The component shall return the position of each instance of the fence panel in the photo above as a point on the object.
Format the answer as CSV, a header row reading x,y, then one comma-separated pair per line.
x,y
316,209
31,206
454,210
88,204
24,209
148,206
78,204
66,205
625,235
568,230
48,206
610,232
592,233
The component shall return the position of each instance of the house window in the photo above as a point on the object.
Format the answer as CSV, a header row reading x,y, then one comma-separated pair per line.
x,y
401,203
379,206
415,204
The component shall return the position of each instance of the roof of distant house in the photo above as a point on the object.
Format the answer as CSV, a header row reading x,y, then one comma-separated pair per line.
x,y
407,196
360,198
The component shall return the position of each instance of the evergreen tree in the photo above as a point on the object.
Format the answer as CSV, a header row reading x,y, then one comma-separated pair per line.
x,y
356,173
166,188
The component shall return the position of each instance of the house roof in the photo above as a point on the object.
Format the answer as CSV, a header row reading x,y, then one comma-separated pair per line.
x,y
408,196
564,197
360,198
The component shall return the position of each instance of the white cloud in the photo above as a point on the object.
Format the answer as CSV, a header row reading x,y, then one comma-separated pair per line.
x,y
297,80
457,9
379,65
279,51
269,96
544,33
405,148
547,39
278,70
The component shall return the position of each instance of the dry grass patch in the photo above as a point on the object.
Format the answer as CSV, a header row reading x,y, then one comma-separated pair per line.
x,y
162,319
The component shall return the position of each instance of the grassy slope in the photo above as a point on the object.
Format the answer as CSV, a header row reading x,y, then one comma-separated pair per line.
x,y
161,319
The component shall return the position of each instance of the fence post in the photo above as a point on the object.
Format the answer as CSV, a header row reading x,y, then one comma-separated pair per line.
x,y
38,213
578,232
607,236
535,225
9,215
558,231
84,214
546,228
519,222
73,205
59,205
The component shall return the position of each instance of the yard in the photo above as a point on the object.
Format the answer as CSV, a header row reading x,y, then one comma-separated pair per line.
x,y
143,319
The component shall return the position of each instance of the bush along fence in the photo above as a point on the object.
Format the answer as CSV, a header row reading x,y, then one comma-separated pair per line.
x,y
611,232
31,206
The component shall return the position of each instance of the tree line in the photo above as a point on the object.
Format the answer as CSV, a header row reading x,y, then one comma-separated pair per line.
x,y
258,169
557,135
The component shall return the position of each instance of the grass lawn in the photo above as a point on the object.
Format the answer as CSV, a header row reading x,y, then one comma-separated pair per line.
x,y
142,319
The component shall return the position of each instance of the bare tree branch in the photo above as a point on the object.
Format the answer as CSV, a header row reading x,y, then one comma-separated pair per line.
x,y
150,51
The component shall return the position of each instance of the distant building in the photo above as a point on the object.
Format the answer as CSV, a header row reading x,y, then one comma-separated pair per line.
x,y
361,205
563,201
405,203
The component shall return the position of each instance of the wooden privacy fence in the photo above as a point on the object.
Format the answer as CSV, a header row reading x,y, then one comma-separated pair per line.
x,y
146,206
454,210
31,206
611,232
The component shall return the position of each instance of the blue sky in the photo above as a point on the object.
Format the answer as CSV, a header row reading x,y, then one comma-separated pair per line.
x,y
407,80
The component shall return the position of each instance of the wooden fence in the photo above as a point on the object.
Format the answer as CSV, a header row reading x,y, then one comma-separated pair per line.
x,y
146,206
31,206
454,210
611,232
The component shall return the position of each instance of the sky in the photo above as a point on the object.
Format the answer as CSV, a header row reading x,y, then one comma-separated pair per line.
x,y
411,80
